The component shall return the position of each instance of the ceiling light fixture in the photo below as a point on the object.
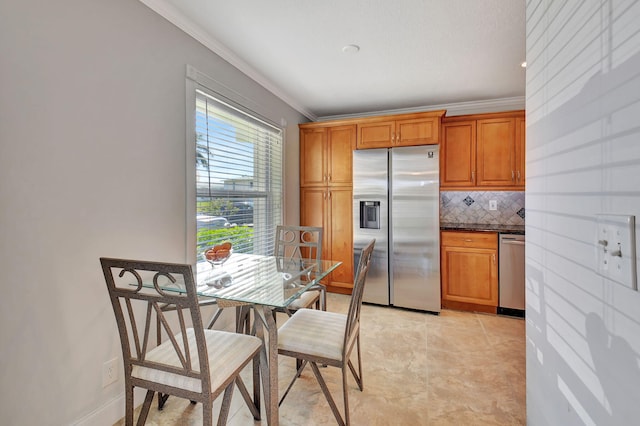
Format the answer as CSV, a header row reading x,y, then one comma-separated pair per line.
x,y
351,49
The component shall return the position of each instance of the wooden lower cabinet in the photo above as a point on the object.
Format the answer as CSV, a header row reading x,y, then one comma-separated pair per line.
x,y
330,208
469,270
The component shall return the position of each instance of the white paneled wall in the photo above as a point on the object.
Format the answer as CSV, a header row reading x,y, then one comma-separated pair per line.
x,y
583,158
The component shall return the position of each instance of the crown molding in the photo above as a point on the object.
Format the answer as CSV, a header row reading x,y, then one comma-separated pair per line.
x,y
174,16
453,109
171,14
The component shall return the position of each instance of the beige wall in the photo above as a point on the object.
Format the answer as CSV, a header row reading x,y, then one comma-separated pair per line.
x,y
92,163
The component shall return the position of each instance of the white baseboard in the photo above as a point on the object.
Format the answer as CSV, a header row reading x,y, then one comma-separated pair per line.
x,y
111,412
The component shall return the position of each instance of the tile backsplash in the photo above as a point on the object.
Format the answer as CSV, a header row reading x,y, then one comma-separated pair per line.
x,y
473,207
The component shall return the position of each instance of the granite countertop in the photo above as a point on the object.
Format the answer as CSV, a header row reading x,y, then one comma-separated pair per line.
x,y
483,227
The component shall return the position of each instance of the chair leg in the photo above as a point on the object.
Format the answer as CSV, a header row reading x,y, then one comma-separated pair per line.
x,y
144,412
361,382
243,319
247,399
323,299
207,413
226,404
215,318
345,394
256,381
357,375
128,406
329,398
295,377
162,399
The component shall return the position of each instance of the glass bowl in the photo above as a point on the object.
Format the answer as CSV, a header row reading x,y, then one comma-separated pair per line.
x,y
217,255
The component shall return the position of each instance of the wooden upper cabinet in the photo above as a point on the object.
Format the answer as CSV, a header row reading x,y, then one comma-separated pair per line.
x,y
483,151
325,155
313,153
496,152
418,131
458,154
402,130
376,134
340,145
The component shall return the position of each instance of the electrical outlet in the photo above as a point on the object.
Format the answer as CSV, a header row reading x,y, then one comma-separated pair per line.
x,y
493,205
109,372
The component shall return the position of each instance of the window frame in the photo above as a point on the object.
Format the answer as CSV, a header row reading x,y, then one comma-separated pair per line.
x,y
198,81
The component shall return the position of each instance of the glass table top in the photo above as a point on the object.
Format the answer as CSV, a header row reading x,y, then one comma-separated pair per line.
x,y
262,280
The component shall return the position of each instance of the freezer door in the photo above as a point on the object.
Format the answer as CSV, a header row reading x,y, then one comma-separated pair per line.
x,y
370,191
415,230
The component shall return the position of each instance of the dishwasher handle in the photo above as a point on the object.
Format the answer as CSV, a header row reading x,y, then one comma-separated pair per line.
x,y
513,242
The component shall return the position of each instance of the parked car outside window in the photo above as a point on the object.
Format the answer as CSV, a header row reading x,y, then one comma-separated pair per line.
x,y
241,213
213,222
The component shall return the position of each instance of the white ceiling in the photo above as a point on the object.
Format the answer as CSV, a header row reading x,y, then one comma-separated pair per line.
x,y
413,53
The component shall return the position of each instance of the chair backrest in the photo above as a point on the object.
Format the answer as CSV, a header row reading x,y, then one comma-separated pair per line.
x,y
353,315
299,242
137,296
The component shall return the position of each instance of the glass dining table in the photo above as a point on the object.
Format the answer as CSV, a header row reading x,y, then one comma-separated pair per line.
x,y
263,283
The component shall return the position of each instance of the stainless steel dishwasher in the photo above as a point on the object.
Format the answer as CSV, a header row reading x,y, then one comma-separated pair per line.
x,y
511,275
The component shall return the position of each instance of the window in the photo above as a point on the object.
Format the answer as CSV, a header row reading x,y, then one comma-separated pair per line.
x,y
238,167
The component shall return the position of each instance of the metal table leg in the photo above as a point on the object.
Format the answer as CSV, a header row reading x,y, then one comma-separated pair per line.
x,y
268,360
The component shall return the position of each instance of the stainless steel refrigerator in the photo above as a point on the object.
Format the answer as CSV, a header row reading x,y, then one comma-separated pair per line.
x,y
396,200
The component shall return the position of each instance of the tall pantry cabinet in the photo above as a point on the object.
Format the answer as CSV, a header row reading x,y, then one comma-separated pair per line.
x,y
326,194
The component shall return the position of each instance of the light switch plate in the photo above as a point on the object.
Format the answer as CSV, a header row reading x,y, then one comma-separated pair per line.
x,y
616,248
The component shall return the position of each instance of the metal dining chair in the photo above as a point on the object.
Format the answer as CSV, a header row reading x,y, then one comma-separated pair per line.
x,y
193,362
328,338
302,242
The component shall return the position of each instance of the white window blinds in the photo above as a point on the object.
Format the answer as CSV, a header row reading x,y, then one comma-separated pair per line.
x,y
238,177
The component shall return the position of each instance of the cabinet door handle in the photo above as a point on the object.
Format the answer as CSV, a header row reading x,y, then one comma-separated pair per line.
x,y
518,175
494,258
329,180
513,176
468,240
473,176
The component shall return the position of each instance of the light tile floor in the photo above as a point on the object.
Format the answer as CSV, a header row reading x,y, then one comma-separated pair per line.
x,y
456,368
